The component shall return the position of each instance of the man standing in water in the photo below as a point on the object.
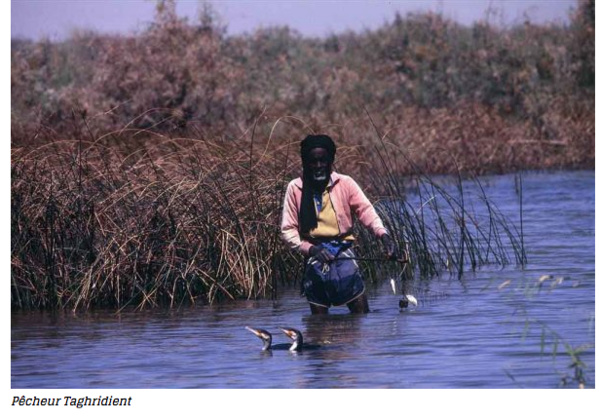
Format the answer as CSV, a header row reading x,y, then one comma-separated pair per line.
x,y
317,222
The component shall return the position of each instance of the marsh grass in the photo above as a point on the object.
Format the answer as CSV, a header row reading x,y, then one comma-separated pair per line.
x,y
137,218
176,221
575,372
431,223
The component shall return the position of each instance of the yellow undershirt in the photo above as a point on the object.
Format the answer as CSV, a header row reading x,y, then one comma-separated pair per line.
x,y
326,219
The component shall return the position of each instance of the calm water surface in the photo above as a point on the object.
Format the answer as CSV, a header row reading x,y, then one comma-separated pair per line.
x,y
480,332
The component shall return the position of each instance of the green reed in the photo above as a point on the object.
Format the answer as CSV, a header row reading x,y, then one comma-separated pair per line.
x,y
551,342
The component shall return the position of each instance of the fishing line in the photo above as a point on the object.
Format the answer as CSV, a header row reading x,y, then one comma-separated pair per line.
x,y
403,260
399,260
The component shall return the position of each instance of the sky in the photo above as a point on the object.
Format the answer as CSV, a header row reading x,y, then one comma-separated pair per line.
x,y
56,19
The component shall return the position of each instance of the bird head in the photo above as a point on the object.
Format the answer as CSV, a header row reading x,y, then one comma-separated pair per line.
x,y
263,335
296,336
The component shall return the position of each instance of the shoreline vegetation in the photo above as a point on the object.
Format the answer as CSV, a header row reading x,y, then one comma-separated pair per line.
x,y
149,169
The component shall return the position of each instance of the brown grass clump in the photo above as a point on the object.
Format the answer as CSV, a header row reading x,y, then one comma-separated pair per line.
x,y
176,221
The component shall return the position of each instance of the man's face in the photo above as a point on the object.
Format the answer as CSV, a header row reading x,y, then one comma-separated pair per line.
x,y
320,163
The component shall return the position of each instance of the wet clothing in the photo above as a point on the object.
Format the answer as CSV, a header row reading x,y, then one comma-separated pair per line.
x,y
336,283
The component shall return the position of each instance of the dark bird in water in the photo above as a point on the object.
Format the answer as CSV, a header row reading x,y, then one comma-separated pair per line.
x,y
298,340
292,333
266,338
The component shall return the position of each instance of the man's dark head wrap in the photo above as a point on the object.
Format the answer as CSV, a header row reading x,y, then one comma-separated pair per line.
x,y
307,213
314,141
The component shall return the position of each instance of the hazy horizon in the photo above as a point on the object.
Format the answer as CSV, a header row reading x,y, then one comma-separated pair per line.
x,y
57,19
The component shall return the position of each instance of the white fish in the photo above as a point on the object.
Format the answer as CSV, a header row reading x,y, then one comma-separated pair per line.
x,y
393,286
406,300
412,300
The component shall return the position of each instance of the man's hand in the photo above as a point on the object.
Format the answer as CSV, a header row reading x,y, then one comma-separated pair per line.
x,y
321,254
389,246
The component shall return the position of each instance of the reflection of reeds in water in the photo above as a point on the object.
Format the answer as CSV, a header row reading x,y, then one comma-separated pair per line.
x,y
116,221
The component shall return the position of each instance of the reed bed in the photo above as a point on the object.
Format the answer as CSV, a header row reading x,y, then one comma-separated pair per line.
x,y
430,223
176,221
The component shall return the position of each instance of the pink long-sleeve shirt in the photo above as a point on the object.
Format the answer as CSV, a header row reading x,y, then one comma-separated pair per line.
x,y
347,198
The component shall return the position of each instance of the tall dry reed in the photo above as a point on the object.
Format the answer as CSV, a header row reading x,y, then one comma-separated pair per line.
x,y
177,220
136,218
